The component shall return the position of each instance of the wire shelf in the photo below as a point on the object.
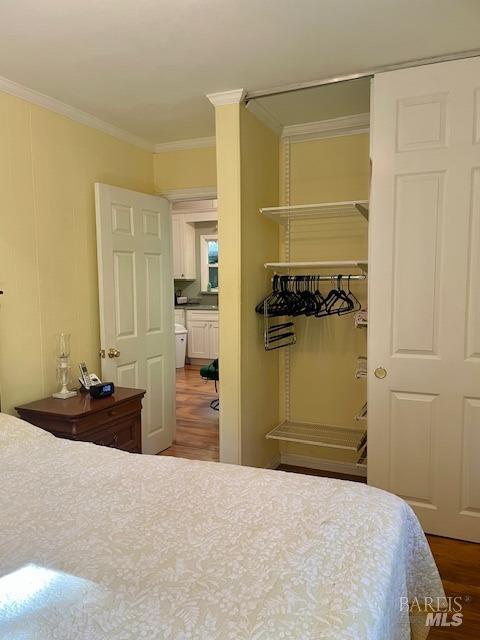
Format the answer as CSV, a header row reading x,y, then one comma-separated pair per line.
x,y
358,264
321,435
362,415
362,460
322,210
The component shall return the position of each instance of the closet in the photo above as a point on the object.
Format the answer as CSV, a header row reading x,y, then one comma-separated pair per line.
x,y
413,349
316,289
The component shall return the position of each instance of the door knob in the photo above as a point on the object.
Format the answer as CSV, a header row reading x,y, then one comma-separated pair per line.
x,y
113,353
380,372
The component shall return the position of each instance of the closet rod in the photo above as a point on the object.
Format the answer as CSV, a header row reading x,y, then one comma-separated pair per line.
x,y
313,278
406,64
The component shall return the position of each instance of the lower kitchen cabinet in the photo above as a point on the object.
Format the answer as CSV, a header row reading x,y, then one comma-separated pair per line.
x,y
202,339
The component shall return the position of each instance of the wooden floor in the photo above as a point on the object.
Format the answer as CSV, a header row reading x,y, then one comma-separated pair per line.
x,y
197,438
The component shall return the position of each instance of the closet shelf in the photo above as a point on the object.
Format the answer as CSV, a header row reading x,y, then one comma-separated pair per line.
x,y
360,264
323,210
322,435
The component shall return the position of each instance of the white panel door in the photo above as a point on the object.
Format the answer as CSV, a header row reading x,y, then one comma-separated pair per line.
x,y
424,293
136,302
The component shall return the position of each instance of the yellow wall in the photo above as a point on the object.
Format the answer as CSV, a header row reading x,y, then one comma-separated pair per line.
x,y
48,266
323,388
247,164
185,169
259,188
329,170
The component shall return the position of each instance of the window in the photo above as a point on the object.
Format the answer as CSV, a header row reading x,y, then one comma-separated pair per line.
x,y
209,262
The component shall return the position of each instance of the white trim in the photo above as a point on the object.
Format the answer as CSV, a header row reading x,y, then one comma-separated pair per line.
x,y
42,100
226,97
265,116
208,215
344,126
204,264
322,464
195,193
190,143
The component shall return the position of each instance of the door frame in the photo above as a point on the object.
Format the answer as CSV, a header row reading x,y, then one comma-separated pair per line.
x,y
201,193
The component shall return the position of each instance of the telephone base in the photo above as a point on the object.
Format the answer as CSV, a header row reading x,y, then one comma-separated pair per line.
x,y
64,396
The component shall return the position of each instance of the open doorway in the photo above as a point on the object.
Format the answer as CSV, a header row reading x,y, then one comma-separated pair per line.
x,y
195,267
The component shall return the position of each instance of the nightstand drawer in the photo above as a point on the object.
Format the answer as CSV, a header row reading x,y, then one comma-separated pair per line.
x,y
111,414
121,435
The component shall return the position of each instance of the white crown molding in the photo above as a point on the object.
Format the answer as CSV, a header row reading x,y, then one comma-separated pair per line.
x,y
195,193
226,97
344,126
190,143
63,109
265,116
323,464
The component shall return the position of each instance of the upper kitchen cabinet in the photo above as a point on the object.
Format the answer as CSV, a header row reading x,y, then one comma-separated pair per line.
x,y
185,215
183,233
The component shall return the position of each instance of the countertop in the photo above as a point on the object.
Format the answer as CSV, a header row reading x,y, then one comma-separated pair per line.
x,y
197,307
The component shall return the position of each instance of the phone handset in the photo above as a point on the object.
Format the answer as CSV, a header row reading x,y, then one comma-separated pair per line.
x,y
87,379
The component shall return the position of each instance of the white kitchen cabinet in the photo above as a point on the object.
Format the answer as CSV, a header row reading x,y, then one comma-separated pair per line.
x,y
202,334
183,237
198,339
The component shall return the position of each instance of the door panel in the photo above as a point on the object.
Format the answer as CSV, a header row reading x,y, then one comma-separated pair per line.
x,y
136,294
471,467
424,300
125,293
127,375
417,220
154,294
473,278
412,423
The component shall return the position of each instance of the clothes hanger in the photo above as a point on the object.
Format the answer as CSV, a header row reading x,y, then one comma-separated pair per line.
x,y
355,303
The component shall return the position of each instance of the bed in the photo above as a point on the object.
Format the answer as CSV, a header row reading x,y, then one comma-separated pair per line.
x,y
98,544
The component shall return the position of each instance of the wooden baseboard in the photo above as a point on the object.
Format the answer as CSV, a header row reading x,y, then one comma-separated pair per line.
x,y
334,466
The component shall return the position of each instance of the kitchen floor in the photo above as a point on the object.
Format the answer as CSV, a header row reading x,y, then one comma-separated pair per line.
x,y
197,423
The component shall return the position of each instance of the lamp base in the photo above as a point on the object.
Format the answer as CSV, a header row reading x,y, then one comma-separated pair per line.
x,y
64,396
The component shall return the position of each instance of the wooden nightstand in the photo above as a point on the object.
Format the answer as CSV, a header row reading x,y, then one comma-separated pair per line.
x,y
113,422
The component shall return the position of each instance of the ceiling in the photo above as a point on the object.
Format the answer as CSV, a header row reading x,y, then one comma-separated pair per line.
x,y
146,65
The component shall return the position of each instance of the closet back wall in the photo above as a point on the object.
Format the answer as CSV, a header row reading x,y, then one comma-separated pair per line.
x,y
323,362
48,264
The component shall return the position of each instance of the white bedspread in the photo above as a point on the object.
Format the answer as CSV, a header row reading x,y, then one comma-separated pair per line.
x,y
100,544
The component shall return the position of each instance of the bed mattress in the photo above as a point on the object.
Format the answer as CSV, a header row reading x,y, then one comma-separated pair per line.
x,y
96,543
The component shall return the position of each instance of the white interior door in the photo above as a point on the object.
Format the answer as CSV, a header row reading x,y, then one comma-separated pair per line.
x,y
136,304
424,288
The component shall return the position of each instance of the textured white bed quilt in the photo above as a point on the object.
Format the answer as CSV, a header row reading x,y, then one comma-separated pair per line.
x,y
100,544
